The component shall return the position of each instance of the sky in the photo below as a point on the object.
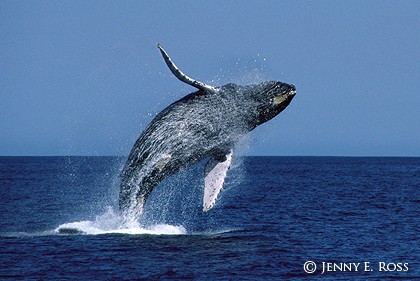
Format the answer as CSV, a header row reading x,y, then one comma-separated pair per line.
x,y
85,77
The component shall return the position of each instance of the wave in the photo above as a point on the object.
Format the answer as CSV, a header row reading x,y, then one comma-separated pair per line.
x,y
112,223
90,227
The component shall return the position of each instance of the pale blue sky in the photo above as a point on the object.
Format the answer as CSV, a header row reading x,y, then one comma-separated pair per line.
x,y
85,77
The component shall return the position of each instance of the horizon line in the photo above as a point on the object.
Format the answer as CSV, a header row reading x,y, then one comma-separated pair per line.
x,y
297,156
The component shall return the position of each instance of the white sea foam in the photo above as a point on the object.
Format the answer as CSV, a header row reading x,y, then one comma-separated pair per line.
x,y
111,223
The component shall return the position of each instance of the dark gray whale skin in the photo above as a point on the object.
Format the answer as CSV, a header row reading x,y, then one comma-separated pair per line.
x,y
202,124
206,123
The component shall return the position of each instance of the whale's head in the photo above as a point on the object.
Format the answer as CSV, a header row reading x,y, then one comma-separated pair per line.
x,y
272,97
263,101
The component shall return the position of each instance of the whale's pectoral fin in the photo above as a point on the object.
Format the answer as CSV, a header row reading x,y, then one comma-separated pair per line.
x,y
215,173
181,76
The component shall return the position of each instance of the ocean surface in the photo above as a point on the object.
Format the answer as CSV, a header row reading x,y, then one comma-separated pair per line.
x,y
337,218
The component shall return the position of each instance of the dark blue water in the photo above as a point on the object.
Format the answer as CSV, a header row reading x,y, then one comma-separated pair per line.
x,y
275,214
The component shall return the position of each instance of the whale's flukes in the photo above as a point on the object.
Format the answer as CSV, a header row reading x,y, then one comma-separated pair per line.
x,y
181,76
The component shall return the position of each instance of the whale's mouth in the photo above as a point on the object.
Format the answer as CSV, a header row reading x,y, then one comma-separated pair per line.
x,y
279,99
285,96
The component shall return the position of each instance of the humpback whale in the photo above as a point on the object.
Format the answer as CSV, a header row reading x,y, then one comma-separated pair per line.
x,y
204,124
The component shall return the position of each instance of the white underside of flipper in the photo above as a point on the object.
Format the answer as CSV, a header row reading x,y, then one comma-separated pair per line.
x,y
215,174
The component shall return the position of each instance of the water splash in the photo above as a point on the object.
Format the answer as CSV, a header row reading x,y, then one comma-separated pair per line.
x,y
112,223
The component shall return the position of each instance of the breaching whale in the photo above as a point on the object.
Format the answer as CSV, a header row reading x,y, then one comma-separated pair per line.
x,y
204,124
